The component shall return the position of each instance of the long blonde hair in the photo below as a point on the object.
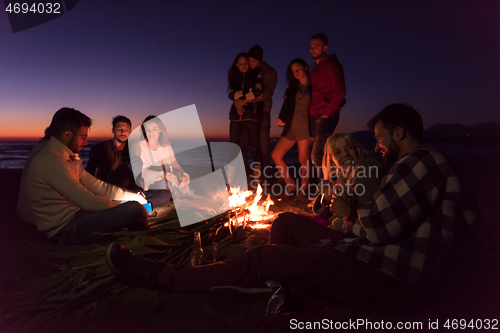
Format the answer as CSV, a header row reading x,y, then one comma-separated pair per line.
x,y
328,159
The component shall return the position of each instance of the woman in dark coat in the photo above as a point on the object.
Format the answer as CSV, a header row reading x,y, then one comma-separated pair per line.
x,y
245,84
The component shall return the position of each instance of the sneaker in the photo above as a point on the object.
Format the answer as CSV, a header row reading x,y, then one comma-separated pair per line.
x,y
230,296
133,269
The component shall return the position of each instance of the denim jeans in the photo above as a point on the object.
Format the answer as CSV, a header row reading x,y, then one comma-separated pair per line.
x,y
321,129
289,260
246,131
78,230
158,197
265,128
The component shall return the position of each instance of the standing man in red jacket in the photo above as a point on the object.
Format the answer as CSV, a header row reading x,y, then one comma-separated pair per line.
x,y
328,92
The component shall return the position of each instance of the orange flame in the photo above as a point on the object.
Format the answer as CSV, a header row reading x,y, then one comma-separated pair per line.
x,y
256,212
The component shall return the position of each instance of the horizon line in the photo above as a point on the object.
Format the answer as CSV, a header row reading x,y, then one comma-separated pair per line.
x,y
27,138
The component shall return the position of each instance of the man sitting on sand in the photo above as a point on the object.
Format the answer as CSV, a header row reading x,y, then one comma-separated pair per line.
x,y
402,237
63,200
109,160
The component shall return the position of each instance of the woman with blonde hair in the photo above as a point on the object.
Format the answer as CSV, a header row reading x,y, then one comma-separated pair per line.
x,y
350,173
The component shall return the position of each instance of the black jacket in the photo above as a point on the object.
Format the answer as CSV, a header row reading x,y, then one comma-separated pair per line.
x,y
288,108
101,159
251,79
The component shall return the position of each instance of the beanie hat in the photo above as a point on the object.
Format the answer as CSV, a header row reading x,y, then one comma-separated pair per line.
x,y
256,52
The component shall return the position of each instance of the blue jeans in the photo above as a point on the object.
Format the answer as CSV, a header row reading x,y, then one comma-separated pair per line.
x,y
158,197
78,230
242,132
321,129
265,128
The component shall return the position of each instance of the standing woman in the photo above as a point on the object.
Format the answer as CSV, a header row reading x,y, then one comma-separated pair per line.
x,y
294,116
245,84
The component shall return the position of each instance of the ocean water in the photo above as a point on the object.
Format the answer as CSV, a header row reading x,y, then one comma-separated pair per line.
x,y
13,154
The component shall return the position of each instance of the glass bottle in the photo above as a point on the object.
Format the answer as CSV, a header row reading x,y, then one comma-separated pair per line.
x,y
197,253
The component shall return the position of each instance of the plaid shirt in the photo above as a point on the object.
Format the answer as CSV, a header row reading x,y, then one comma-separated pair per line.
x,y
407,229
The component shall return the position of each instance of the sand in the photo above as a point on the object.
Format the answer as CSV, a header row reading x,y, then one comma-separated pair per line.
x,y
473,294
27,256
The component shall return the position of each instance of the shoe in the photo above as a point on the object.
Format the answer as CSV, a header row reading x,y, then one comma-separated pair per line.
x,y
229,296
134,270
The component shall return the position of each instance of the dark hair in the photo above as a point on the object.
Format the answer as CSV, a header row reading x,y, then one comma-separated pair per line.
x,y
256,52
400,115
121,119
66,119
162,139
234,72
321,37
290,78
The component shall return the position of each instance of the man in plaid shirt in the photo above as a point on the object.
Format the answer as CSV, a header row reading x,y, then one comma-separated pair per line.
x,y
407,229
404,233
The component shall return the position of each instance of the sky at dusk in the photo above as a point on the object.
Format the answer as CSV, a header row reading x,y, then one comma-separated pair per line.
x,y
138,58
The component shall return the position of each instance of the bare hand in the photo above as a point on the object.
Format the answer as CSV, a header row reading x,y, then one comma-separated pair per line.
x,y
140,198
279,122
250,95
172,179
340,207
238,103
185,179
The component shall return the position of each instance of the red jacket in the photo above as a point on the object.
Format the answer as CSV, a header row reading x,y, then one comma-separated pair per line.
x,y
328,87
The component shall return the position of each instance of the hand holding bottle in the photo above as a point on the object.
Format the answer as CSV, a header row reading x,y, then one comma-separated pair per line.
x,y
173,179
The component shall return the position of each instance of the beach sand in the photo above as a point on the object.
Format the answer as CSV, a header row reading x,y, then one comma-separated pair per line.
x,y
25,255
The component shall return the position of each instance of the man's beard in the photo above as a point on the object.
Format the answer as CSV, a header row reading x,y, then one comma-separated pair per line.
x,y
72,146
319,56
391,153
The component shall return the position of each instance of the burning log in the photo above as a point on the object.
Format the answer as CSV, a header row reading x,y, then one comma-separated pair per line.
x,y
248,210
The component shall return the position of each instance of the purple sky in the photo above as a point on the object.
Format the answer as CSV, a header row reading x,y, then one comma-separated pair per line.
x,y
137,58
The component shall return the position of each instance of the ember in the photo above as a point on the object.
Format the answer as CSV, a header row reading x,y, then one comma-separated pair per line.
x,y
249,210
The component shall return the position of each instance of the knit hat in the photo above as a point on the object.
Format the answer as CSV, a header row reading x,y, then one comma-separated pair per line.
x,y
256,52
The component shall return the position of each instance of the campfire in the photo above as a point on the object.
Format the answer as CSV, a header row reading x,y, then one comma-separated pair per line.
x,y
248,211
